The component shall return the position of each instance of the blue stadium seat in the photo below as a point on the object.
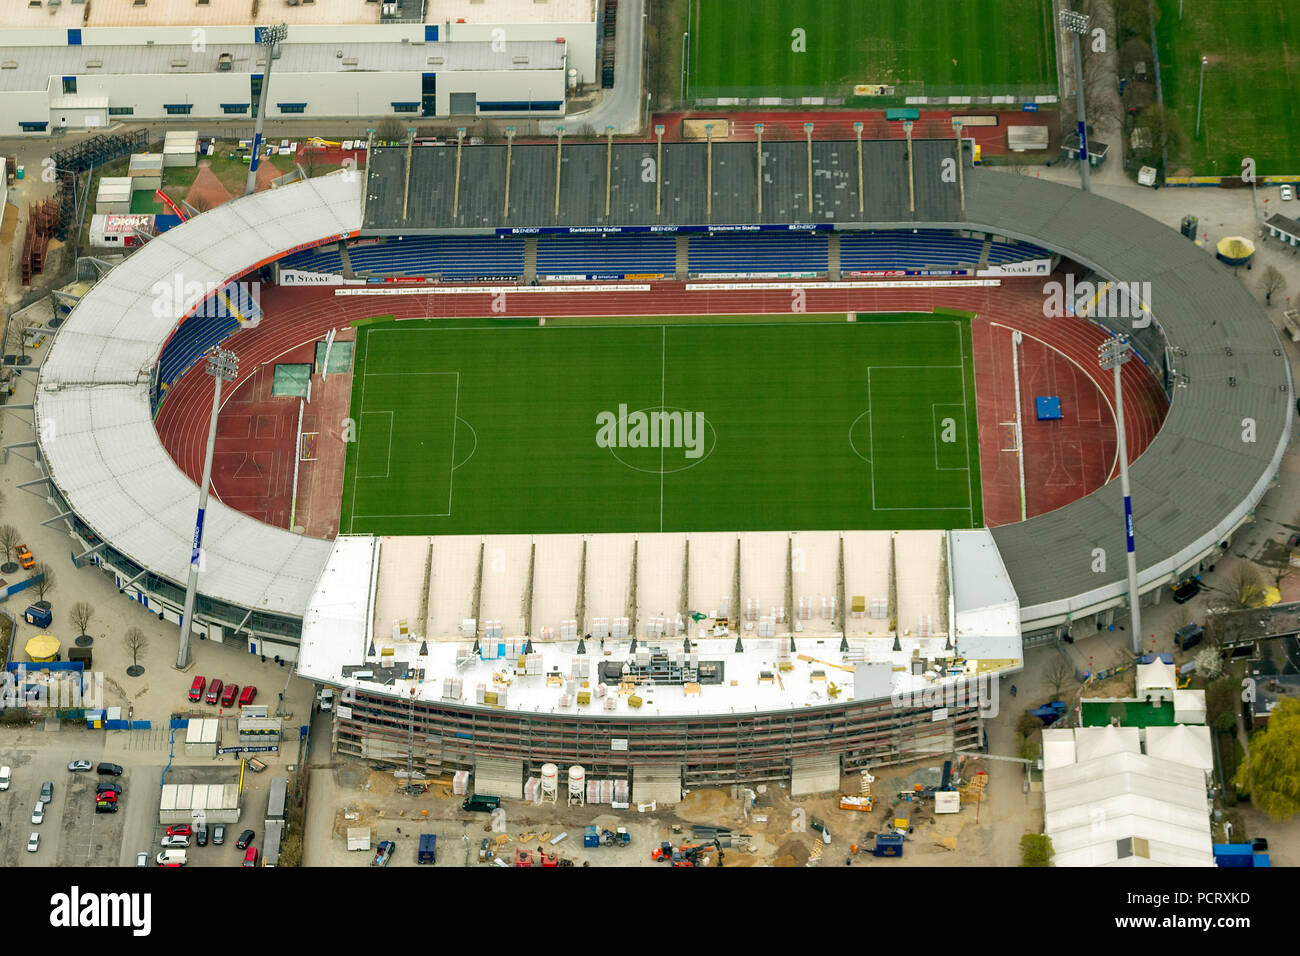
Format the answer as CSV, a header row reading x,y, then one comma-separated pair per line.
x,y
751,254
606,255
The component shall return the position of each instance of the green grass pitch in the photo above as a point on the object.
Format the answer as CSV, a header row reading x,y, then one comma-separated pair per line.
x,y
1251,103
953,47
764,423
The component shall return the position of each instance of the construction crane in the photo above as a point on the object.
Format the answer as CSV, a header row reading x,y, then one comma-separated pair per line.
x,y
813,660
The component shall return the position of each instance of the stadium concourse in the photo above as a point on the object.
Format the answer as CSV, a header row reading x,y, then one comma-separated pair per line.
x,y
129,506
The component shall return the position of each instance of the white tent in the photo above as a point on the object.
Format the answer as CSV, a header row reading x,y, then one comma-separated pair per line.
x,y
1091,743
1189,706
1156,681
1058,748
1189,746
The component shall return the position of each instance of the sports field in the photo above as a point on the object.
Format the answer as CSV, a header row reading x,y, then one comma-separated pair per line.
x,y
939,47
638,425
1251,103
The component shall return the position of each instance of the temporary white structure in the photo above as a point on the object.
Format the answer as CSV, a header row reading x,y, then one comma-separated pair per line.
x,y
1181,744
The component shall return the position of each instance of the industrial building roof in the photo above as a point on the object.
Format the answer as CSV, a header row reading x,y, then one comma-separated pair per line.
x,y
94,417
33,66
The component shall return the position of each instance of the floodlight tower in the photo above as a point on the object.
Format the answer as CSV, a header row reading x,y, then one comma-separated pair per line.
x,y
1112,354
1077,25
270,43
223,366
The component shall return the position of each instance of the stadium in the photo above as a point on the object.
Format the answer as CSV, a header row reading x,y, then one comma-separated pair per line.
x,y
416,504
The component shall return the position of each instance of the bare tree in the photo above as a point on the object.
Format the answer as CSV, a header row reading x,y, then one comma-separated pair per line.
x,y
136,643
1245,586
1274,281
390,130
9,539
44,575
81,614
198,202
18,337
1060,674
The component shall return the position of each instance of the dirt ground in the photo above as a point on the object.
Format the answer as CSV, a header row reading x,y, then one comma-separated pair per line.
x,y
779,827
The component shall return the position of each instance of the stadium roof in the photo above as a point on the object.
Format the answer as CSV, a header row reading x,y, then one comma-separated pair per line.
x,y
435,206
93,412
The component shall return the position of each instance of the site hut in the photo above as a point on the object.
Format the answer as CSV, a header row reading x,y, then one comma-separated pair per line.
x,y
1284,228
201,737
180,148
146,170
114,195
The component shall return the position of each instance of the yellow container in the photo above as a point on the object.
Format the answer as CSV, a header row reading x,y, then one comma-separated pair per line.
x,y
634,701
490,698
584,698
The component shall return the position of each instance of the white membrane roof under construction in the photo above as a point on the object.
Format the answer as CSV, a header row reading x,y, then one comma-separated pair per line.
x,y
92,404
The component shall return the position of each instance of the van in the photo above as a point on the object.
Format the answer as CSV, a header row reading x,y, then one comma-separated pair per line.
x,y
1188,636
428,848
172,858
214,690
480,803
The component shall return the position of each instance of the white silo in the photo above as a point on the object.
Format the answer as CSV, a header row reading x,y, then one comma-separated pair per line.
x,y
577,785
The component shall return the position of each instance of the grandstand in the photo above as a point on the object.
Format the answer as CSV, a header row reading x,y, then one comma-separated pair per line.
x,y
613,256
869,251
739,254
228,309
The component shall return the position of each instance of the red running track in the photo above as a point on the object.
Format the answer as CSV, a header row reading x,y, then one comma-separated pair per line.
x,y
1063,461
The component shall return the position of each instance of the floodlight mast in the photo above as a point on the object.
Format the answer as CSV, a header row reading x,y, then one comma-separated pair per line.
x,y
223,366
270,43
1077,25
1112,354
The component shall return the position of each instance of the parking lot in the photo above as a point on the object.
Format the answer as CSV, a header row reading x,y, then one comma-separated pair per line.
x,y
74,835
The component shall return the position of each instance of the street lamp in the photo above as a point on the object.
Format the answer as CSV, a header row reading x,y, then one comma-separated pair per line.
x,y
1077,25
1199,93
223,366
270,43
1112,354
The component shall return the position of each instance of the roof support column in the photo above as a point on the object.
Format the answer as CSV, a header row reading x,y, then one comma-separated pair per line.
x,y
659,168
559,146
857,131
911,178
455,189
758,132
406,189
807,135
609,164
708,179
961,174
510,145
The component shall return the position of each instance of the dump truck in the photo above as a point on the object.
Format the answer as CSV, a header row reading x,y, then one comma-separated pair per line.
x,y
428,852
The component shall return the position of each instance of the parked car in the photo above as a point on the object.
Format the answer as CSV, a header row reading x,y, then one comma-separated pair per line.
x,y
179,829
1184,591
4,778
229,694
106,796
383,853
196,688
1188,636
219,834
1287,194
326,699
247,696
245,838
24,556
250,858
142,858
171,858
200,835
179,842
480,803
214,690
106,806
109,769
108,788
80,766
38,814
47,791
33,843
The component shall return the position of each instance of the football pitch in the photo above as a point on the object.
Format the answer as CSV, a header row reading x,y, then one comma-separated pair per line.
x,y
939,47
716,423
1250,105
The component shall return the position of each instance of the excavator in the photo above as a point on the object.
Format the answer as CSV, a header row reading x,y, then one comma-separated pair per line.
x,y
686,854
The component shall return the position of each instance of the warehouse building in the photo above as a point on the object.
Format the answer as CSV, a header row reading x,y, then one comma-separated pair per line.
x,y
70,65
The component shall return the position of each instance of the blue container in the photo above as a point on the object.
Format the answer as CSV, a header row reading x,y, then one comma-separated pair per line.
x,y
39,616
889,844
590,837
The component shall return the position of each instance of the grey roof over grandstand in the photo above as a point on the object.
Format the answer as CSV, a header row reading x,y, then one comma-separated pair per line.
x,y
683,189
1199,477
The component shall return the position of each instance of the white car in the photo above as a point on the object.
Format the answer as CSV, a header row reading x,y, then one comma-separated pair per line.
x,y
79,766
1287,194
38,815
33,843
142,858
4,778
169,842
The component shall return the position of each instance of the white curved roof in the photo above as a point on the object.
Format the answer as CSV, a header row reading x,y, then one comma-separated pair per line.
x,y
93,416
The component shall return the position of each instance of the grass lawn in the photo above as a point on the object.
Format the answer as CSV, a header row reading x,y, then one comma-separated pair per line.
x,y
1251,103
480,426
954,47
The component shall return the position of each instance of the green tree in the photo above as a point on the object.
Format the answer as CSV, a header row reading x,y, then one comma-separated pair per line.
x,y
1221,702
1271,771
1036,850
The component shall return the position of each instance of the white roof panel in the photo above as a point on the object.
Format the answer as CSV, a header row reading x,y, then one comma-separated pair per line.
x,y
92,403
